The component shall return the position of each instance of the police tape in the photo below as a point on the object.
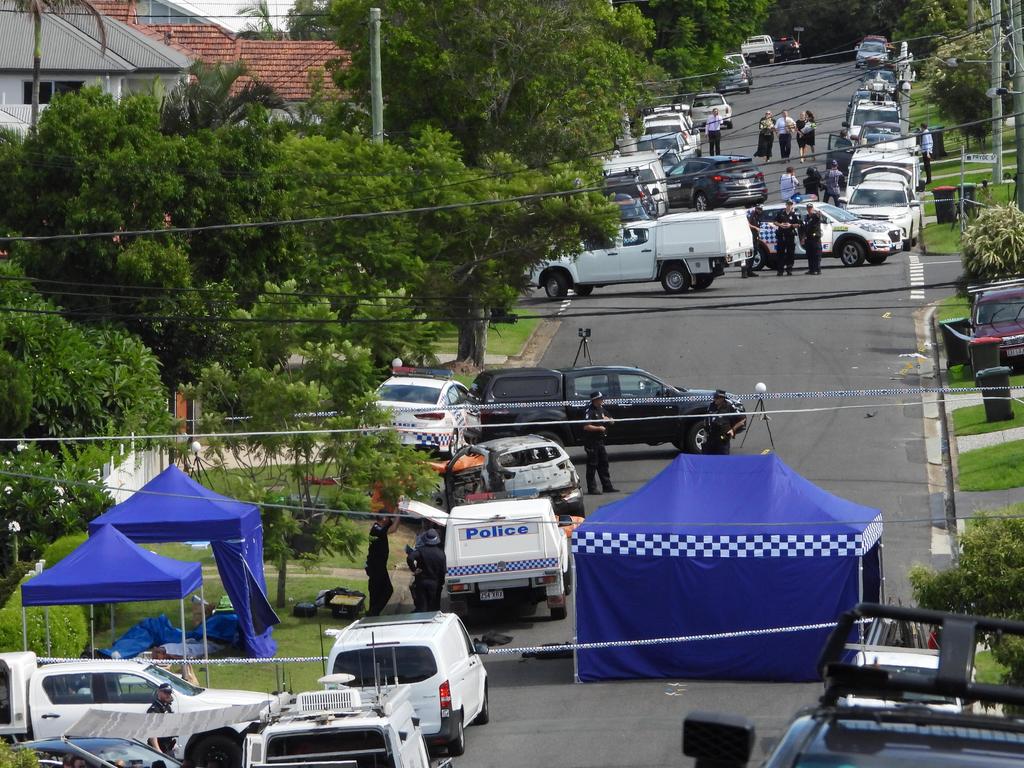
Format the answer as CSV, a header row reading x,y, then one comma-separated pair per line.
x,y
190,661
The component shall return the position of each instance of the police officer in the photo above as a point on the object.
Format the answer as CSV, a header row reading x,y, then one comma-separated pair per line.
x,y
162,701
810,239
754,222
723,423
594,432
380,587
428,565
787,222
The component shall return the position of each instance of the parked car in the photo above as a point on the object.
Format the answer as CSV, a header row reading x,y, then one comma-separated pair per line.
x,y
419,399
534,389
739,61
703,103
884,136
671,148
999,313
840,149
759,49
887,197
733,81
672,118
911,662
704,183
871,112
787,49
881,80
432,654
97,752
630,208
627,184
644,167
871,53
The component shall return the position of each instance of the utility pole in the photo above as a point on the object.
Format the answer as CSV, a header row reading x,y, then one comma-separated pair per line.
x,y
1018,97
903,74
376,90
997,82
971,15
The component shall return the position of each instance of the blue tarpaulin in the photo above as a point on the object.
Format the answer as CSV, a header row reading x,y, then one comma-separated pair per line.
x,y
174,507
716,544
109,568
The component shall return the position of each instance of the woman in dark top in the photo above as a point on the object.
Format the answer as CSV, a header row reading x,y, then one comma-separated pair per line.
x,y
800,123
808,134
765,137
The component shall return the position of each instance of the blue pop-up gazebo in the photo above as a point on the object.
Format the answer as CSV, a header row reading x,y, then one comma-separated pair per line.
x,y
174,507
718,544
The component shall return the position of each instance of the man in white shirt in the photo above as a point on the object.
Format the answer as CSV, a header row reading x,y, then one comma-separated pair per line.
x,y
927,146
788,184
714,129
784,126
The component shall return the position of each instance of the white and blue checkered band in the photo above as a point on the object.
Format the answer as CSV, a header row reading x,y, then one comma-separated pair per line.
x,y
508,566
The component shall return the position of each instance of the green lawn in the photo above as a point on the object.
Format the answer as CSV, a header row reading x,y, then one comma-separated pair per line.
x,y
987,669
962,376
995,468
971,420
953,307
502,339
942,238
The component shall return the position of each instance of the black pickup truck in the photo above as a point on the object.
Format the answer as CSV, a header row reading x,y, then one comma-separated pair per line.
x,y
532,390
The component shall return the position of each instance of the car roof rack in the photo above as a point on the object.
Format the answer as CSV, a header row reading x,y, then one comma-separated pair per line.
x,y
433,373
958,641
1013,282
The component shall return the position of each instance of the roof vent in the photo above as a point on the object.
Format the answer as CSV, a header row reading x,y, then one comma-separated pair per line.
x,y
328,701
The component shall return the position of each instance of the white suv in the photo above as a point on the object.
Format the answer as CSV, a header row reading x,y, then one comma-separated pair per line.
x,y
887,197
434,655
703,103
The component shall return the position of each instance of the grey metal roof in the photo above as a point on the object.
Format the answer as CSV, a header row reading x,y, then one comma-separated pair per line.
x,y
71,44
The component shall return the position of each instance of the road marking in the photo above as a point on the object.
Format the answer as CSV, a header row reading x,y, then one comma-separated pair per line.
x,y
886,315
565,302
916,271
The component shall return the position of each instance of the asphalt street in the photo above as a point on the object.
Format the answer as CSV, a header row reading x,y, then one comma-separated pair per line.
x,y
850,328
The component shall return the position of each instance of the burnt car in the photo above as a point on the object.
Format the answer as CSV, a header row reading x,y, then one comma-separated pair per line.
x,y
999,313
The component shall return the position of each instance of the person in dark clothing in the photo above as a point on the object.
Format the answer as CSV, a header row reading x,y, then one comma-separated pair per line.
x,y
429,565
787,223
162,701
723,423
813,184
380,587
765,137
594,432
754,222
810,239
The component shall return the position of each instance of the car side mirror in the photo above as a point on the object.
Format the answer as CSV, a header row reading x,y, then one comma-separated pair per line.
x,y
843,201
564,521
915,203
846,124
481,648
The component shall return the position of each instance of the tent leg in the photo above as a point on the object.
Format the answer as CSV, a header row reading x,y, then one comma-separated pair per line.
x,y
184,648
113,638
46,611
206,646
881,573
24,629
575,623
860,594
92,631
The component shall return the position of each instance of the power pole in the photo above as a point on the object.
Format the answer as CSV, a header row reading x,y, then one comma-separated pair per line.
x,y
1018,97
971,15
997,82
903,74
376,89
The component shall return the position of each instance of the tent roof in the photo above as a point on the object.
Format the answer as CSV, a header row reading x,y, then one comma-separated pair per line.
x,y
731,497
109,568
174,507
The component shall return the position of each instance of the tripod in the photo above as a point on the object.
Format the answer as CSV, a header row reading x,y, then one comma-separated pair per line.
x,y
759,413
583,349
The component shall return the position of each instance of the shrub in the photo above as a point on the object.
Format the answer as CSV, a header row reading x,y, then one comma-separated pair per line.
x,y
62,547
11,580
69,627
993,245
17,758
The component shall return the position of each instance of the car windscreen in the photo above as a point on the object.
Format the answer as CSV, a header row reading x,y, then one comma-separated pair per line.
x,y
651,143
872,47
1000,311
708,101
879,197
180,686
837,213
858,167
732,166
408,393
876,115
415,664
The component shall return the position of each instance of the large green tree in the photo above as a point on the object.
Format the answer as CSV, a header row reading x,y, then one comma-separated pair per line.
x,y
924,21
217,94
834,27
959,92
541,81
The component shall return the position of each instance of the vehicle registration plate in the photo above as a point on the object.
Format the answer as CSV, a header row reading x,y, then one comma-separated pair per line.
x,y
1015,351
492,594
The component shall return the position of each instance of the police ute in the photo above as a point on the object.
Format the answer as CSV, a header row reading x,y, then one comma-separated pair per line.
x,y
508,551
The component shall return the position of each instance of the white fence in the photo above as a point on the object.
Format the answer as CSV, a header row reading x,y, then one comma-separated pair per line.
x,y
131,470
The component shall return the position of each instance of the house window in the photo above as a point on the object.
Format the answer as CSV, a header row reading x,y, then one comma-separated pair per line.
x,y
47,88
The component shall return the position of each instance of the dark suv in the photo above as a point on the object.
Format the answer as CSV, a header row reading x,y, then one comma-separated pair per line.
x,y
704,183
538,394
786,49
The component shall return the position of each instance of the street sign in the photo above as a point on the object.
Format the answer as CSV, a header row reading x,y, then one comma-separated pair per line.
x,y
979,158
798,29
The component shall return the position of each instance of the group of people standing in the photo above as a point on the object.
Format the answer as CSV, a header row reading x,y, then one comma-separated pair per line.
x,y
788,226
426,561
786,131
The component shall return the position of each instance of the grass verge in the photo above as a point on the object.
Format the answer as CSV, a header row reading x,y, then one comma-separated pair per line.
x,y
502,339
995,468
971,420
987,669
952,307
942,238
963,376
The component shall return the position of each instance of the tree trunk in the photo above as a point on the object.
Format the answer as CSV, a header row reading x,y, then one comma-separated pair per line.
x,y
37,58
282,581
473,336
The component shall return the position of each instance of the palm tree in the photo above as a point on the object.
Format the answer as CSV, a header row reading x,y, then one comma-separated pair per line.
x,y
263,29
209,99
36,8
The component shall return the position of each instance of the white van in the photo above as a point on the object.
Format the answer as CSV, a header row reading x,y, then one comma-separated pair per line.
x,y
646,166
431,653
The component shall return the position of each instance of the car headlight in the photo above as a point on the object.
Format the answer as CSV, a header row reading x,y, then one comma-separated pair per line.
x,y
880,244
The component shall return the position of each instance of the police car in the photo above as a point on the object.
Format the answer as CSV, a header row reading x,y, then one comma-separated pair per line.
x,y
845,235
426,405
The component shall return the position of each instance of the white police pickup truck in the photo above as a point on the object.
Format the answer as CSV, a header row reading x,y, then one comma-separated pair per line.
x,y
512,551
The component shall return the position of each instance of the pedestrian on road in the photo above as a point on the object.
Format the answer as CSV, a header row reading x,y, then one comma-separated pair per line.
x,y
787,222
594,432
428,566
788,185
765,137
754,222
162,701
379,584
801,121
813,183
834,183
810,239
722,423
785,127
714,129
927,147
808,130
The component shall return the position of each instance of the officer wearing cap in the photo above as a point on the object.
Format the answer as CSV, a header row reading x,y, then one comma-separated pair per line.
x,y
754,222
594,432
787,222
810,239
429,566
162,700
723,423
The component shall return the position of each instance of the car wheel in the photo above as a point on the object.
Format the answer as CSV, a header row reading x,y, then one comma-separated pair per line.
x,y
583,290
559,613
727,123
906,244
556,285
703,281
696,436
877,258
746,90
217,748
567,581
675,278
759,260
852,252
700,202
485,710
457,746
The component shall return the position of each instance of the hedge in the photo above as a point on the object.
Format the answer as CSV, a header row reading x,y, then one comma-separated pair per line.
x,y
62,547
17,758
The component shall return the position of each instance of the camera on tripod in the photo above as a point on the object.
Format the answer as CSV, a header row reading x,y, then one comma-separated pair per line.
x,y
584,333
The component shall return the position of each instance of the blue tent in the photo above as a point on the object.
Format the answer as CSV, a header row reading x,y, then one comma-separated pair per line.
x,y
715,544
174,507
109,568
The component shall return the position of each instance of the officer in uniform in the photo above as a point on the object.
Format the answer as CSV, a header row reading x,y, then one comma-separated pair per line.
x,y
723,423
787,222
810,239
594,432
162,701
754,222
380,587
428,565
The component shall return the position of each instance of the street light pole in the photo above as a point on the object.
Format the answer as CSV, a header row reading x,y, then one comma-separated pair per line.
x,y
1018,97
997,81
376,88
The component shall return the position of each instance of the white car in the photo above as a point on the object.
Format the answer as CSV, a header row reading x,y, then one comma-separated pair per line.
x,y
431,653
739,61
703,103
867,111
424,402
905,661
887,197
669,120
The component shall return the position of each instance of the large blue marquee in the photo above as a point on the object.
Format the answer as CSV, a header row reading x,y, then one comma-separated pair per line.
x,y
718,544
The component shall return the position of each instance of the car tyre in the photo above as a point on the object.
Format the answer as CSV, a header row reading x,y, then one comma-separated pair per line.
x,y
556,285
559,613
877,258
760,259
217,747
703,281
675,278
457,746
567,581
852,252
484,716
694,439
700,202
583,290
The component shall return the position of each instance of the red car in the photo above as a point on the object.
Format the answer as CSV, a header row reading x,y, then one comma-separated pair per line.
x,y
1000,313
